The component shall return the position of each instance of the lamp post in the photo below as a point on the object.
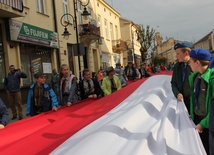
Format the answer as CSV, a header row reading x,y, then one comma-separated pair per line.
x,y
66,33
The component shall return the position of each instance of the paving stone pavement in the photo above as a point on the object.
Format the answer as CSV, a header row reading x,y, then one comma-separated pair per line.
x,y
11,115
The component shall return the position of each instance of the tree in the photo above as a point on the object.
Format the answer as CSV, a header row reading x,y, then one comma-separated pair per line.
x,y
159,60
146,39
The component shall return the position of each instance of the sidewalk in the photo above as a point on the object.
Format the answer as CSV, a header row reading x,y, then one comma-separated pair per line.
x,y
11,115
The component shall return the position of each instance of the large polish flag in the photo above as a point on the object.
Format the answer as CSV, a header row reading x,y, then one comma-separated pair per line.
x,y
143,118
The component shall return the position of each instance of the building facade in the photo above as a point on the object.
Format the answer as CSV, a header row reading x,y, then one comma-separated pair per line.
x,y
207,42
165,48
130,37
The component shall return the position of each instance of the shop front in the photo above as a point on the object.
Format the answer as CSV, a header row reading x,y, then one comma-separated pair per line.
x,y
36,46
32,49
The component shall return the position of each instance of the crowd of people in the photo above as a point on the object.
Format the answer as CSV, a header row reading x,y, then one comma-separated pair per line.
x,y
192,83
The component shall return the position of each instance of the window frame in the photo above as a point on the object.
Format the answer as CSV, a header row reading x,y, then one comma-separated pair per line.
x,y
106,28
41,6
111,31
116,32
65,9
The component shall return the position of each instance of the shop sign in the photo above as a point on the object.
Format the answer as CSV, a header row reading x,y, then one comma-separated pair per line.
x,y
27,33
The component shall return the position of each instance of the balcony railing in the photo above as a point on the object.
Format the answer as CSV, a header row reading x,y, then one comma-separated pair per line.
x,y
119,45
89,29
89,33
15,4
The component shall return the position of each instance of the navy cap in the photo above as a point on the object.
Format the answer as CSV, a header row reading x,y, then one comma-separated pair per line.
x,y
110,69
182,45
39,74
200,54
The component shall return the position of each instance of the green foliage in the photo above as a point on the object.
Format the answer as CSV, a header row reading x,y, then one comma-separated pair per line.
x,y
159,60
146,39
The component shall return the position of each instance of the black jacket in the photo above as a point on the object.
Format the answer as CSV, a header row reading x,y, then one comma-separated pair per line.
x,y
12,81
97,89
176,80
145,74
134,73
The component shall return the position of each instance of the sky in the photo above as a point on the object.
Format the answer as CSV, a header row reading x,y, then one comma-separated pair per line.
x,y
184,20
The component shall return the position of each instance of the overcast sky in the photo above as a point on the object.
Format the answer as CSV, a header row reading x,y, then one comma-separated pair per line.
x,y
185,20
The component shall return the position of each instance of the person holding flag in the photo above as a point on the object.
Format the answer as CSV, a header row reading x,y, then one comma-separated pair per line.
x,y
179,82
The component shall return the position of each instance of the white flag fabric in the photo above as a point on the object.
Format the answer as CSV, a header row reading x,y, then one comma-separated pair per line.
x,y
148,122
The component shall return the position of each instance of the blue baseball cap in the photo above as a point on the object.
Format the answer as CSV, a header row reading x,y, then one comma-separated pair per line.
x,y
200,54
182,45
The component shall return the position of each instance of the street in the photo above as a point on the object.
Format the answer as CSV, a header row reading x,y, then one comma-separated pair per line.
x,y
11,115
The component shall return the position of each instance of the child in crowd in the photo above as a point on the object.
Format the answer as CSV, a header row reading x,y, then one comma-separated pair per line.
x,y
111,83
41,97
130,71
182,70
89,87
55,81
144,73
68,89
201,92
118,66
121,78
4,115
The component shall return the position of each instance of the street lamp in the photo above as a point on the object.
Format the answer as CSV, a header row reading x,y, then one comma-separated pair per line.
x,y
66,33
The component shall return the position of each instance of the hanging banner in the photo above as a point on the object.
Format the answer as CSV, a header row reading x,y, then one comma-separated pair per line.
x,y
27,33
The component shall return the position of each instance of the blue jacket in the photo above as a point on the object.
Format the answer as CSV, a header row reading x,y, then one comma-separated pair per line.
x,y
49,100
12,81
4,119
122,80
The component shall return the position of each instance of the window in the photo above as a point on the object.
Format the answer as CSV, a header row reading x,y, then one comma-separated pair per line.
x,y
106,28
65,9
105,60
41,6
99,24
98,20
23,2
116,33
111,31
79,9
65,6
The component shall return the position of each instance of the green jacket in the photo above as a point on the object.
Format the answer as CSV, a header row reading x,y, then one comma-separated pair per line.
x,y
209,78
106,86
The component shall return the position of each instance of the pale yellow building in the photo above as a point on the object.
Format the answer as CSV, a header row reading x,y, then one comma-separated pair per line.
x,y
108,20
129,36
165,48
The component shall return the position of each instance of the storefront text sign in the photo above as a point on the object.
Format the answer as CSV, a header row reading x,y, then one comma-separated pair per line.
x,y
26,33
